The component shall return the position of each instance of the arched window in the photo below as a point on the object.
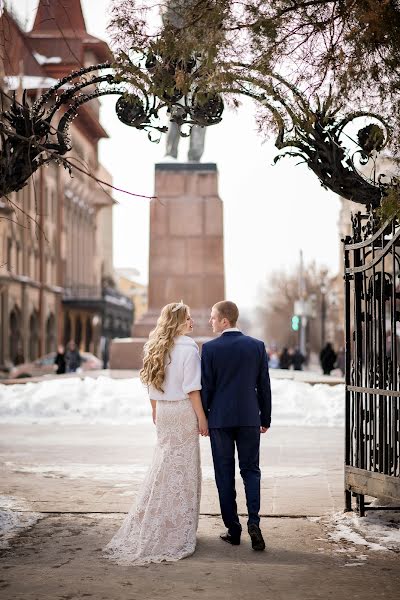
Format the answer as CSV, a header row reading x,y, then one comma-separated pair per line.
x,y
50,333
34,336
9,254
15,336
78,332
67,329
18,261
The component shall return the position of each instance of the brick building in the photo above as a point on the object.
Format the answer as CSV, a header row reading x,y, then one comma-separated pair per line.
x,y
58,285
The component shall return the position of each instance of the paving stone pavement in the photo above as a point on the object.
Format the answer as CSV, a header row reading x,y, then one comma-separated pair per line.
x,y
81,480
89,468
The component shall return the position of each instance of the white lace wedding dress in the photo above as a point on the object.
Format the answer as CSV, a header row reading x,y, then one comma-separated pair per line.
x,y
162,526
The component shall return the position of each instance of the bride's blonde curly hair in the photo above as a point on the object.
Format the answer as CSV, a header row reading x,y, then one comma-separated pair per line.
x,y
171,323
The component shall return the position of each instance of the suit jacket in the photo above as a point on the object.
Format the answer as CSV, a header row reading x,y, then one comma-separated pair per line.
x,y
236,390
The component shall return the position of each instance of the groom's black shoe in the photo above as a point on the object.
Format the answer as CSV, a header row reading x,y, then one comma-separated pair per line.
x,y
230,539
257,540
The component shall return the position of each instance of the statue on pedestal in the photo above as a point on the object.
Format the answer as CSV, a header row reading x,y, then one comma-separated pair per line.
x,y
196,147
172,15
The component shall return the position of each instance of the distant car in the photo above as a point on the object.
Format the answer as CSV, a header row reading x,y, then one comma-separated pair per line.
x,y
45,366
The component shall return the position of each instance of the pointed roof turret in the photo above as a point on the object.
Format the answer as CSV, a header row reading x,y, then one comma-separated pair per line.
x,y
54,15
60,38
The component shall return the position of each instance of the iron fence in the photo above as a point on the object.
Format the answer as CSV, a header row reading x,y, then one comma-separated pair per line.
x,y
372,330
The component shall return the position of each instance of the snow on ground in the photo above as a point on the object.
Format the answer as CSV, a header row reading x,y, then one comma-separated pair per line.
x,y
378,531
14,518
115,401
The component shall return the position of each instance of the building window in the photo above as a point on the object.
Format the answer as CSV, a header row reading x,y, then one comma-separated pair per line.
x,y
50,333
78,332
9,254
67,329
15,337
34,336
18,266
52,278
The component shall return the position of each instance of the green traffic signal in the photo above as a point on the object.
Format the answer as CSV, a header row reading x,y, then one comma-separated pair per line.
x,y
295,322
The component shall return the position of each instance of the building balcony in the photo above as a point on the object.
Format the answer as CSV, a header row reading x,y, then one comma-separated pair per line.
x,y
82,292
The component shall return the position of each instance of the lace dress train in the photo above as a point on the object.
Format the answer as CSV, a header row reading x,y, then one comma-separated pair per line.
x,y
163,524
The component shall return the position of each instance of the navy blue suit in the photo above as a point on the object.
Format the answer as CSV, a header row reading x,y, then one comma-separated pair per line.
x,y
236,396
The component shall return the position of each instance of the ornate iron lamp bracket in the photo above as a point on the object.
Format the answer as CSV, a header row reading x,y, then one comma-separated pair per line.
x,y
153,87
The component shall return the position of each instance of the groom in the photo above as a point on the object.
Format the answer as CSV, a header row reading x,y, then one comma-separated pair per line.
x,y
236,397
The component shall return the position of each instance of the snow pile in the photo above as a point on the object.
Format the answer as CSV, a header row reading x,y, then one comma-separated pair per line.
x,y
74,400
14,519
118,401
297,403
378,530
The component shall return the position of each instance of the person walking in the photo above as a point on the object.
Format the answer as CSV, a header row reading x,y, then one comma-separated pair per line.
x,y
60,360
236,396
298,360
162,525
273,358
285,359
327,358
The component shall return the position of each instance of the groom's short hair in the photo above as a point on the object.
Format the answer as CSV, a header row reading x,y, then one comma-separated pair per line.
x,y
228,310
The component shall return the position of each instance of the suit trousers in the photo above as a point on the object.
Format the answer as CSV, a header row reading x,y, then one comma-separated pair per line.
x,y
247,440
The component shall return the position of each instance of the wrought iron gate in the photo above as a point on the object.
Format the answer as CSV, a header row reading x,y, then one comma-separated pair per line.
x,y
372,332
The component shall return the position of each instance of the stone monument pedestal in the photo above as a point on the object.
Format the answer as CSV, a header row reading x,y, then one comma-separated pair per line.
x,y
186,253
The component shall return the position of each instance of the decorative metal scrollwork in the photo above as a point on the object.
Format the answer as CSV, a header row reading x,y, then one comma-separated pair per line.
x,y
36,134
131,111
153,87
314,130
207,110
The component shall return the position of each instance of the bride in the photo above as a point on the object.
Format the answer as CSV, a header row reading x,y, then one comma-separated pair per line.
x,y
162,526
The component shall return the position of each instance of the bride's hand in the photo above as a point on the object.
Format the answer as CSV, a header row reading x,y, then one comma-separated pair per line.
x,y
203,426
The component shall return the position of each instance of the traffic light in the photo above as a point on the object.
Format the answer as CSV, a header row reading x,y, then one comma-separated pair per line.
x,y
295,322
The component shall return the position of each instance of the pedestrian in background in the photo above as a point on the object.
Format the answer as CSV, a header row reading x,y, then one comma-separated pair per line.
x,y
72,358
327,358
298,360
285,359
60,360
273,357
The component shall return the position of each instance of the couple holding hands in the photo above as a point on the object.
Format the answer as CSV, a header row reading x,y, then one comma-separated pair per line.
x,y
225,395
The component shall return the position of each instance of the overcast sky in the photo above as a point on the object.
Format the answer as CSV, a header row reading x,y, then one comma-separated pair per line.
x,y
270,212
